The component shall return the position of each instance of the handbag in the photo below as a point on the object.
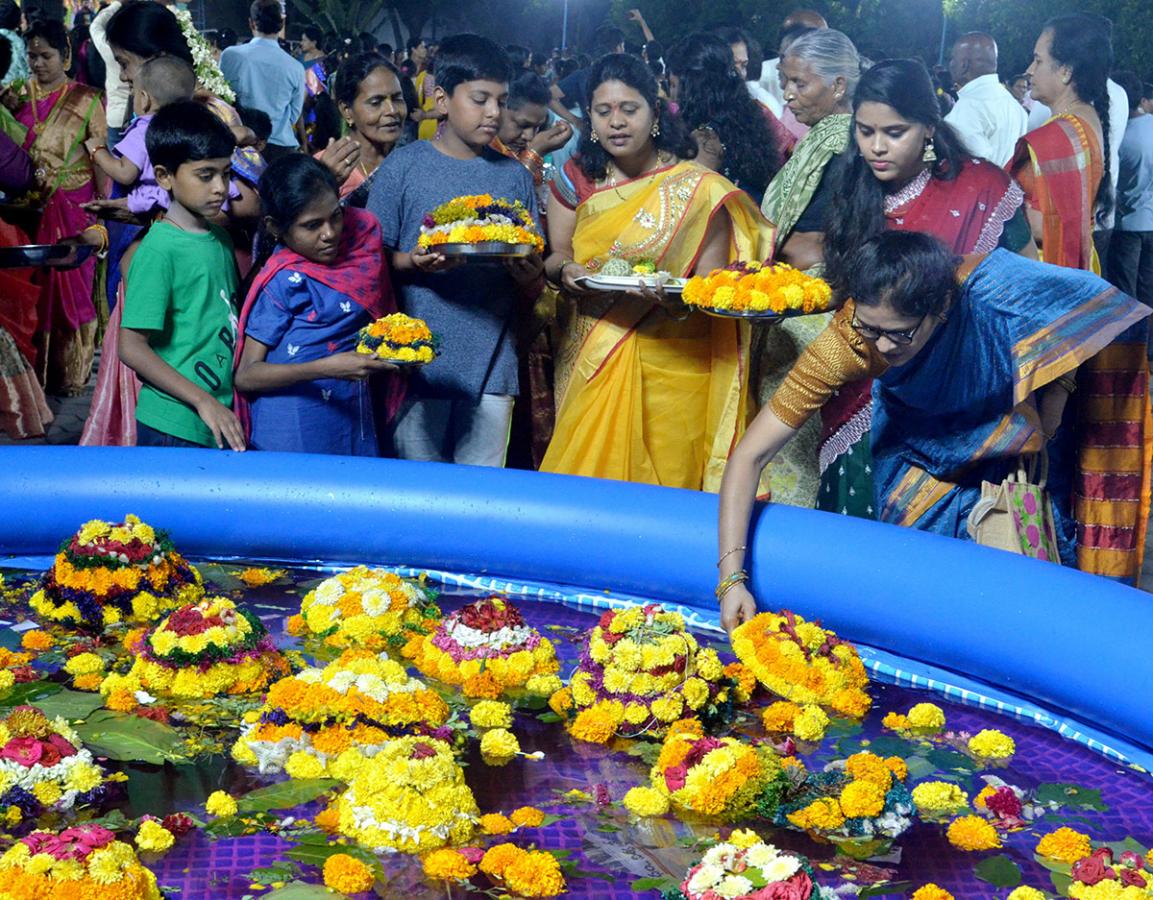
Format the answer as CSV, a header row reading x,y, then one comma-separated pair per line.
x,y
1017,514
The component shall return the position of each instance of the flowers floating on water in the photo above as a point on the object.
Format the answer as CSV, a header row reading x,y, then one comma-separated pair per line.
x,y
411,796
745,866
399,338
154,837
931,892
753,287
210,649
524,873
973,833
992,744
255,576
369,608
44,768
499,746
1024,892
480,219
640,670
221,804
1100,876
491,714
803,662
81,862
347,874
487,649
922,719
447,864
326,721
939,799
112,572
1064,845
646,801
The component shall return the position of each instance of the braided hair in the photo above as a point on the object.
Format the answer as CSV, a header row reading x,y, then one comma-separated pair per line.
x,y
1084,43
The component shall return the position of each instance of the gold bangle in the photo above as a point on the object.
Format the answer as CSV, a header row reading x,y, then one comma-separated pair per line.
x,y
730,582
729,553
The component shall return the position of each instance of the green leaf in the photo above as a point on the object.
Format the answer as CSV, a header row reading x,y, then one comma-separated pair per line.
x,y
1130,844
999,871
919,768
950,760
131,738
1061,882
1061,868
1071,795
70,704
313,854
281,871
646,751
298,890
608,827
284,794
886,889
549,718
659,883
29,692
887,745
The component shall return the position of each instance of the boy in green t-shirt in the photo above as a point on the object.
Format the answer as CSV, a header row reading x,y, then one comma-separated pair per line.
x,y
178,326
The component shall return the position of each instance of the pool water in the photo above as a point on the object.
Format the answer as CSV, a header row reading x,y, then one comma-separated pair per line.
x,y
608,849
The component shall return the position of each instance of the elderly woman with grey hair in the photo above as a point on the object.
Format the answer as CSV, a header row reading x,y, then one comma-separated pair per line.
x,y
819,73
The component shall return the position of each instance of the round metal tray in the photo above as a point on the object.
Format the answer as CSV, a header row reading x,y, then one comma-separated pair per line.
x,y
60,256
491,249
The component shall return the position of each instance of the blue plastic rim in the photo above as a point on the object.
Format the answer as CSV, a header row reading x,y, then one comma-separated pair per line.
x,y
1069,641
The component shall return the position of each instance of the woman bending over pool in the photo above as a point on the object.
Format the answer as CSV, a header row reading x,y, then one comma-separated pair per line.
x,y
974,365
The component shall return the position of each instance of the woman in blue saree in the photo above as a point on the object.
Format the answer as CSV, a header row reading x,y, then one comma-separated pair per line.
x,y
973,369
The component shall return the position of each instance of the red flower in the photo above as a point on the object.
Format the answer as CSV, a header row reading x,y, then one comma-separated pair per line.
x,y
422,751
606,620
178,823
1133,877
1129,858
155,713
24,750
187,621
675,777
1092,869
62,745
49,754
799,887
1004,803
24,674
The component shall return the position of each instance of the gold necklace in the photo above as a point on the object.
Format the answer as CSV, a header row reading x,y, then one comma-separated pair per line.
x,y
647,172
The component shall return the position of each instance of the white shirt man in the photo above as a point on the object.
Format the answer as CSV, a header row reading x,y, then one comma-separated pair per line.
x,y
988,119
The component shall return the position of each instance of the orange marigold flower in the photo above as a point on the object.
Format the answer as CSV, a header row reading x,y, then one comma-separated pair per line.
x,y
347,874
745,679
296,626
121,700
686,726
447,864
973,833
1064,845
328,819
931,892
780,716
527,817
37,640
897,766
495,823
87,682
499,857
535,874
482,686
561,702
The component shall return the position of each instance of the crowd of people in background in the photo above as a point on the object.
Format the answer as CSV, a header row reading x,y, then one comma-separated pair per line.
x,y
254,202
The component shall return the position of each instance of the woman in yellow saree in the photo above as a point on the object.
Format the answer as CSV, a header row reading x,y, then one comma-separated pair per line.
x,y
645,391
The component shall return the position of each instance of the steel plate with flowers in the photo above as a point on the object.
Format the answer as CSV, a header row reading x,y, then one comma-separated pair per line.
x,y
750,290
481,226
399,339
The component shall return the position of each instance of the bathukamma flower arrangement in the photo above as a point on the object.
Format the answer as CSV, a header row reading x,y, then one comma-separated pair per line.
x,y
487,648
746,868
803,662
398,338
370,608
750,287
44,768
112,572
80,863
480,219
208,649
411,797
328,721
640,670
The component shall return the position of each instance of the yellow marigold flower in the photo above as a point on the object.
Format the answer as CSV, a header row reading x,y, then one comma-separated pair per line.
x,y
927,716
745,679
780,716
598,723
347,874
646,801
220,804
992,744
696,692
668,708
820,815
939,797
447,864
1024,892
685,726
973,833
37,640
302,764
561,701
154,837
491,714
543,685
499,857
1064,845
495,823
499,745
527,817
862,798
865,766
296,625
745,838
535,874
88,682
986,792
811,723
258,577
47,792
328,819
931,892
895,721
84,664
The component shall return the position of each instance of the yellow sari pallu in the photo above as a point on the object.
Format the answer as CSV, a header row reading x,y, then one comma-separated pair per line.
x,y
650,398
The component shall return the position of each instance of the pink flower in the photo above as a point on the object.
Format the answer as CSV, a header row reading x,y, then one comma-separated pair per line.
x,y
799,887
473,854
25,750
88,837
42,842
675,777
1092,869
62,745
1129,858
1004,803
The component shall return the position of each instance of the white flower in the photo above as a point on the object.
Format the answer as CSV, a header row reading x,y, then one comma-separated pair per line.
x,y
760,855
705,877
143,697
720,854
781,868
734,886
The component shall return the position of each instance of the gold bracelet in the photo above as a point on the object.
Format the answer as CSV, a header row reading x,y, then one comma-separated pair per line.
x,y
729,553
534,156
729,582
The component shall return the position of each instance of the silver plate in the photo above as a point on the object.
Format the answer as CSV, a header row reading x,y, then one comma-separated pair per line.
x,y
493,249
618,283
755,314
60,256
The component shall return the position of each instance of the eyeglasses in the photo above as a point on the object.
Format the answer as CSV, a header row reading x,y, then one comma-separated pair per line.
x,y
903,337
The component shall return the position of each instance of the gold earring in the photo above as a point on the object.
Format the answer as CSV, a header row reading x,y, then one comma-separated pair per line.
x,y
930,154
655,131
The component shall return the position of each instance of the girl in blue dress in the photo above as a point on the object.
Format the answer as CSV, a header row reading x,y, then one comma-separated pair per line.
x,y
307,390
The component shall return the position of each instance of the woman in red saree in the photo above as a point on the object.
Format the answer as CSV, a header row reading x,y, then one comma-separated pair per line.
x,y
60,115
906,170
1063,167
